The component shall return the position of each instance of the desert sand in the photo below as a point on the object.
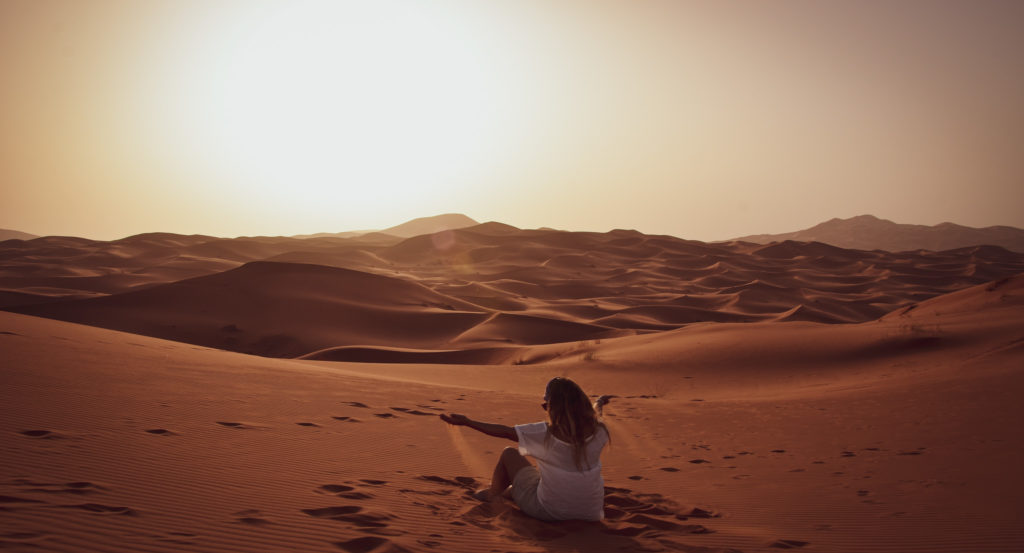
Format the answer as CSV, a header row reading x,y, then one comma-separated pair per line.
x,y
188,393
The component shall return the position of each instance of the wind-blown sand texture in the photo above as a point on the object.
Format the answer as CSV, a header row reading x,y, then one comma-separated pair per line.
x,y
790,396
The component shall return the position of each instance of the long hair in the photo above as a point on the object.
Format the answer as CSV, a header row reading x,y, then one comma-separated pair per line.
x,y
572,417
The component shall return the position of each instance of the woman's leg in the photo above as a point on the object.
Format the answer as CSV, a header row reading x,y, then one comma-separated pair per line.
x,y
505,471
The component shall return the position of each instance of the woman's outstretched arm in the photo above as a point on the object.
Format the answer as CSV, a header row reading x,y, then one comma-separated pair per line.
x,y
496,430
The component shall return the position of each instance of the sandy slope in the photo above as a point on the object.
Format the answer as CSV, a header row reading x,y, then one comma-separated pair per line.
x,y
896,435
280,310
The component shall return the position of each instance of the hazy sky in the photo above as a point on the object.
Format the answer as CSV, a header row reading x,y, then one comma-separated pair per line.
x,y
704,120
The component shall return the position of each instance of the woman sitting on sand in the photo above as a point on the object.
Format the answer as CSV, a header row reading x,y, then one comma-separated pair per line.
x,y
567,448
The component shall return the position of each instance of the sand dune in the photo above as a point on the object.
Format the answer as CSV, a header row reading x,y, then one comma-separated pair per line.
x,y
891,435
501,285
8,234
279,310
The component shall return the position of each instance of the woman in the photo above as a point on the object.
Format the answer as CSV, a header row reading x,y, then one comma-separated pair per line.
x,y
566,484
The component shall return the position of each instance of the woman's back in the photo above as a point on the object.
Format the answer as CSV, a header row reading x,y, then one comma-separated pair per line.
x,y
565,490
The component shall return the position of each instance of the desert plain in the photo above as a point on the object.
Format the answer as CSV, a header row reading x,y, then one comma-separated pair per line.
x,y
167,392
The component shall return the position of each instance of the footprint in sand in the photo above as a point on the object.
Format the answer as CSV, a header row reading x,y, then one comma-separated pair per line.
x,y
369,544
102,509
253,521
386,415
179,538
238,425
411,411
697,512
918,451
161,432
351,514
346,419
310,424
467,482
332,512
788,544
74,488
356,404
81,487
44,434
251,517
343,491
336,488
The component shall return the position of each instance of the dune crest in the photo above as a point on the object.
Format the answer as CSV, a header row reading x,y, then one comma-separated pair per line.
x,y
867,232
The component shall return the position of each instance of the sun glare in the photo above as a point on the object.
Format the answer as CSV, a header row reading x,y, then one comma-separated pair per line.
x,y
349,102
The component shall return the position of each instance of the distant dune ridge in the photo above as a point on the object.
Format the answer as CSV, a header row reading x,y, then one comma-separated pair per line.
x,y
415,227
430,225
792,395
6,234
867,232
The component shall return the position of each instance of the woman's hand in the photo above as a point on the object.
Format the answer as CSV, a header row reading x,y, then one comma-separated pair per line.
x,y
601,402
455,419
